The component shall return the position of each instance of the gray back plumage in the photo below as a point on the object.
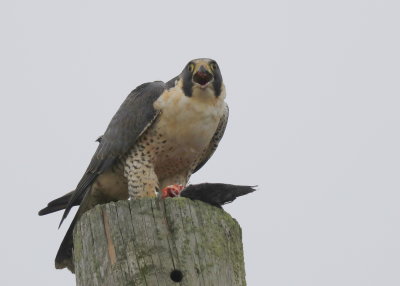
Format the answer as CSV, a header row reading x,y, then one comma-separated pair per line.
x,y
133,117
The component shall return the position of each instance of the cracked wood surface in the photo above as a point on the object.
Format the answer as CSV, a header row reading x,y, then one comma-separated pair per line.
x,y
140,242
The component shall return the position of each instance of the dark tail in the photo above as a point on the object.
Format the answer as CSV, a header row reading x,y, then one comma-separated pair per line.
x,y
64,253
215,193
58,204
64,257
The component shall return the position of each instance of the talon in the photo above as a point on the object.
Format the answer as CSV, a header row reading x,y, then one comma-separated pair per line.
x,y
171,191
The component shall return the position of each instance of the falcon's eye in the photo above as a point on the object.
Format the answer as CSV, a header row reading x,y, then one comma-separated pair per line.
x,y
191,67
213,66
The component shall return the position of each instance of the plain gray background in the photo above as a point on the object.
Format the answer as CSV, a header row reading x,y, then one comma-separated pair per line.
x,y
313,88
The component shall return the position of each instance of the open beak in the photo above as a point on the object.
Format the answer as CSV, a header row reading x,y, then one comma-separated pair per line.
x,y
203,76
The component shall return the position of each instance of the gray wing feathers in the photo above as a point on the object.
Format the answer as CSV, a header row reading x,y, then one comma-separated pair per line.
x,y
215,139
58,204
133,117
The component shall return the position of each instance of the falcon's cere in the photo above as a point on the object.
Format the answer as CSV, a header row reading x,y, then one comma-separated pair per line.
x,y
160,136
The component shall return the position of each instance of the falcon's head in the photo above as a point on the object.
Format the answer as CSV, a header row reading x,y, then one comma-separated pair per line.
x,y
201,76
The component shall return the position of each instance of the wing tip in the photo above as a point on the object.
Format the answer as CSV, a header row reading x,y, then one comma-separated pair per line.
x,y
65,214
44,211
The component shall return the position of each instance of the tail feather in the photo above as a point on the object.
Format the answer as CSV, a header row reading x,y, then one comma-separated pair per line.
x,y
58,204
64,253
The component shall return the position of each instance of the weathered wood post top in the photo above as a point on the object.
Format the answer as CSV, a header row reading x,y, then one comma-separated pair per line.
x,y
158,242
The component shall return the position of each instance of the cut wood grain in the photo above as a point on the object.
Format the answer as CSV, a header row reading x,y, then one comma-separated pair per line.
x,y
158,243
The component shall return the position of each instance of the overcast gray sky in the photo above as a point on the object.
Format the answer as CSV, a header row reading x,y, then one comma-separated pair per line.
x,y
313,89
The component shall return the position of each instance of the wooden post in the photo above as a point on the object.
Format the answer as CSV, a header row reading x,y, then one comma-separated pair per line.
x,y
158,243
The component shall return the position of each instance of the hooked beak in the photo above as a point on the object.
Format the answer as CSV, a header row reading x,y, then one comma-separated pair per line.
x,y
202,77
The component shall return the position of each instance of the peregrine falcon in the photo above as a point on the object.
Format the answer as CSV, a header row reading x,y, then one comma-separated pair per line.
x,y
160,136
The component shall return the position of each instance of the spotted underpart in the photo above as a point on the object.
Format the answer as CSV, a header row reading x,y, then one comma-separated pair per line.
x,y
157,162
139,165
181,140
